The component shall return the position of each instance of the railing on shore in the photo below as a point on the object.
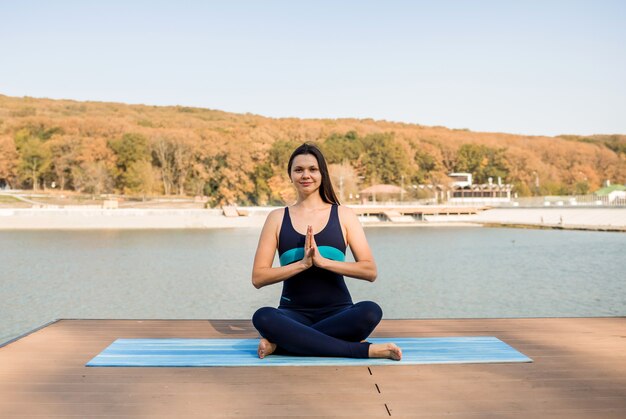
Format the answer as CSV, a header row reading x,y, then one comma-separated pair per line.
x,y
571,201
524,202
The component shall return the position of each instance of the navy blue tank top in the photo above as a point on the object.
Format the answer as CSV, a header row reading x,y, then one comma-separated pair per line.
x,y
314,288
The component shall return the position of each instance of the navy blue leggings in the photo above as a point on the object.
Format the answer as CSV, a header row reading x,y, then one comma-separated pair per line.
x,y
338,333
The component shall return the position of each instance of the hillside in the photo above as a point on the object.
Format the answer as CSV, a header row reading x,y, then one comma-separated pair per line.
x,y
96,148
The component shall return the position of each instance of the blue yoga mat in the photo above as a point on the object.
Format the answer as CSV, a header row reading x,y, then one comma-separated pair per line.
x,y
242,353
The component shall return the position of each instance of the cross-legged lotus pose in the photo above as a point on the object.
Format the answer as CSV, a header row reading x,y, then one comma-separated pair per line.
x,y
316,315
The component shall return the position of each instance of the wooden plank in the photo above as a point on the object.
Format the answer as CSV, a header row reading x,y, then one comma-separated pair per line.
x,y
479,407
207,407
189,375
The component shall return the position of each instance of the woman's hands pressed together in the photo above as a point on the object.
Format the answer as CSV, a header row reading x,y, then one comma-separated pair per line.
x,y
312,255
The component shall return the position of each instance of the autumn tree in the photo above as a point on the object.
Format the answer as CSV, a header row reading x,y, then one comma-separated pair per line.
x,y
92,177
163,156
63,158
173,154
93,171
183,156
345,180
269,177
8,162
200,174
448,157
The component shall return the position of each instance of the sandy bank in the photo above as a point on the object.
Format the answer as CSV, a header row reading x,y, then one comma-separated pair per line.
x,y
92,218
604,219
612,219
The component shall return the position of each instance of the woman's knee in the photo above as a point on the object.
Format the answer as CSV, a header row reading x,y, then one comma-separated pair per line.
x,y
263,317
372,313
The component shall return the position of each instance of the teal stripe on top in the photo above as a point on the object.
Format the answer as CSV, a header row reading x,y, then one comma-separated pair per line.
x,y
296,254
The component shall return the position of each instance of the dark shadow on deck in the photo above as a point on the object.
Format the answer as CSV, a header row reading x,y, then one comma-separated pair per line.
x,y
234,327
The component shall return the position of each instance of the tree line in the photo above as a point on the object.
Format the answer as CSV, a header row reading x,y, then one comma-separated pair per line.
x,y
140,150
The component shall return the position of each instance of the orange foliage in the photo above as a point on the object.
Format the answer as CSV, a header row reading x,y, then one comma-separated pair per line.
x,y
215,153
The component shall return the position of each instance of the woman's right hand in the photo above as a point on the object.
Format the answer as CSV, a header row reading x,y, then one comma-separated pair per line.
x,y
309,251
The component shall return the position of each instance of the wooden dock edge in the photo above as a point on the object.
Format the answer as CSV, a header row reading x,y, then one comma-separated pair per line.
x,y
30,332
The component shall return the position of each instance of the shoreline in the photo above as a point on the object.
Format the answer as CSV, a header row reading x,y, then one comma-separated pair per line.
x,y
594,219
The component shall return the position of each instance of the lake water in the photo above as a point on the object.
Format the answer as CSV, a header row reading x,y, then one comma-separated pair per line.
x,y
423,273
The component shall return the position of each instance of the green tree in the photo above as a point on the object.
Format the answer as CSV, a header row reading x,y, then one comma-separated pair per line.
x,y
617,143
481,161
553,188
141,178
280,152
262,193
128,150
38,130
384,160
34,152
34,159
426,164
213,188
339,148
582,187
521,188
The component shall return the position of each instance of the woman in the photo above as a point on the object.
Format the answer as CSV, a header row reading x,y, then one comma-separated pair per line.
x,y
316,315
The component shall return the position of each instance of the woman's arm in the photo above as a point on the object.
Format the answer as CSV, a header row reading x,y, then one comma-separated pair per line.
x,y
262,271
364,266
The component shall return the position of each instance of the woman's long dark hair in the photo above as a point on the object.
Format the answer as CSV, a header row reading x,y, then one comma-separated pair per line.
x,y
326,188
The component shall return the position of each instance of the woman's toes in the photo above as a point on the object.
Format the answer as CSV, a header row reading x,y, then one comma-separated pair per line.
x,y
265,348
385,350
395,352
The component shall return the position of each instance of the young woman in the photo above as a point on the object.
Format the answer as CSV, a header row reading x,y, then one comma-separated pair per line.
x,y
316,315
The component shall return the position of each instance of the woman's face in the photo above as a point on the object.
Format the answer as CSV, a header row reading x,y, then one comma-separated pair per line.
x,y
305,173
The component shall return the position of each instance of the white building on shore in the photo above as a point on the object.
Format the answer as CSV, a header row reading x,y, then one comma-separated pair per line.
x,y
463,191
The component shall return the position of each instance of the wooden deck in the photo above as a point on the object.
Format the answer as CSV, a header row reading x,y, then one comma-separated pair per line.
x,y
579,371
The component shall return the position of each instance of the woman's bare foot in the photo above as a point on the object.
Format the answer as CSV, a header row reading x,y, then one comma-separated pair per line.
x,y
385,350
265,348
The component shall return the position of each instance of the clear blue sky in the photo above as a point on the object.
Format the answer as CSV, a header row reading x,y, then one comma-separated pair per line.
x,y
531,67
